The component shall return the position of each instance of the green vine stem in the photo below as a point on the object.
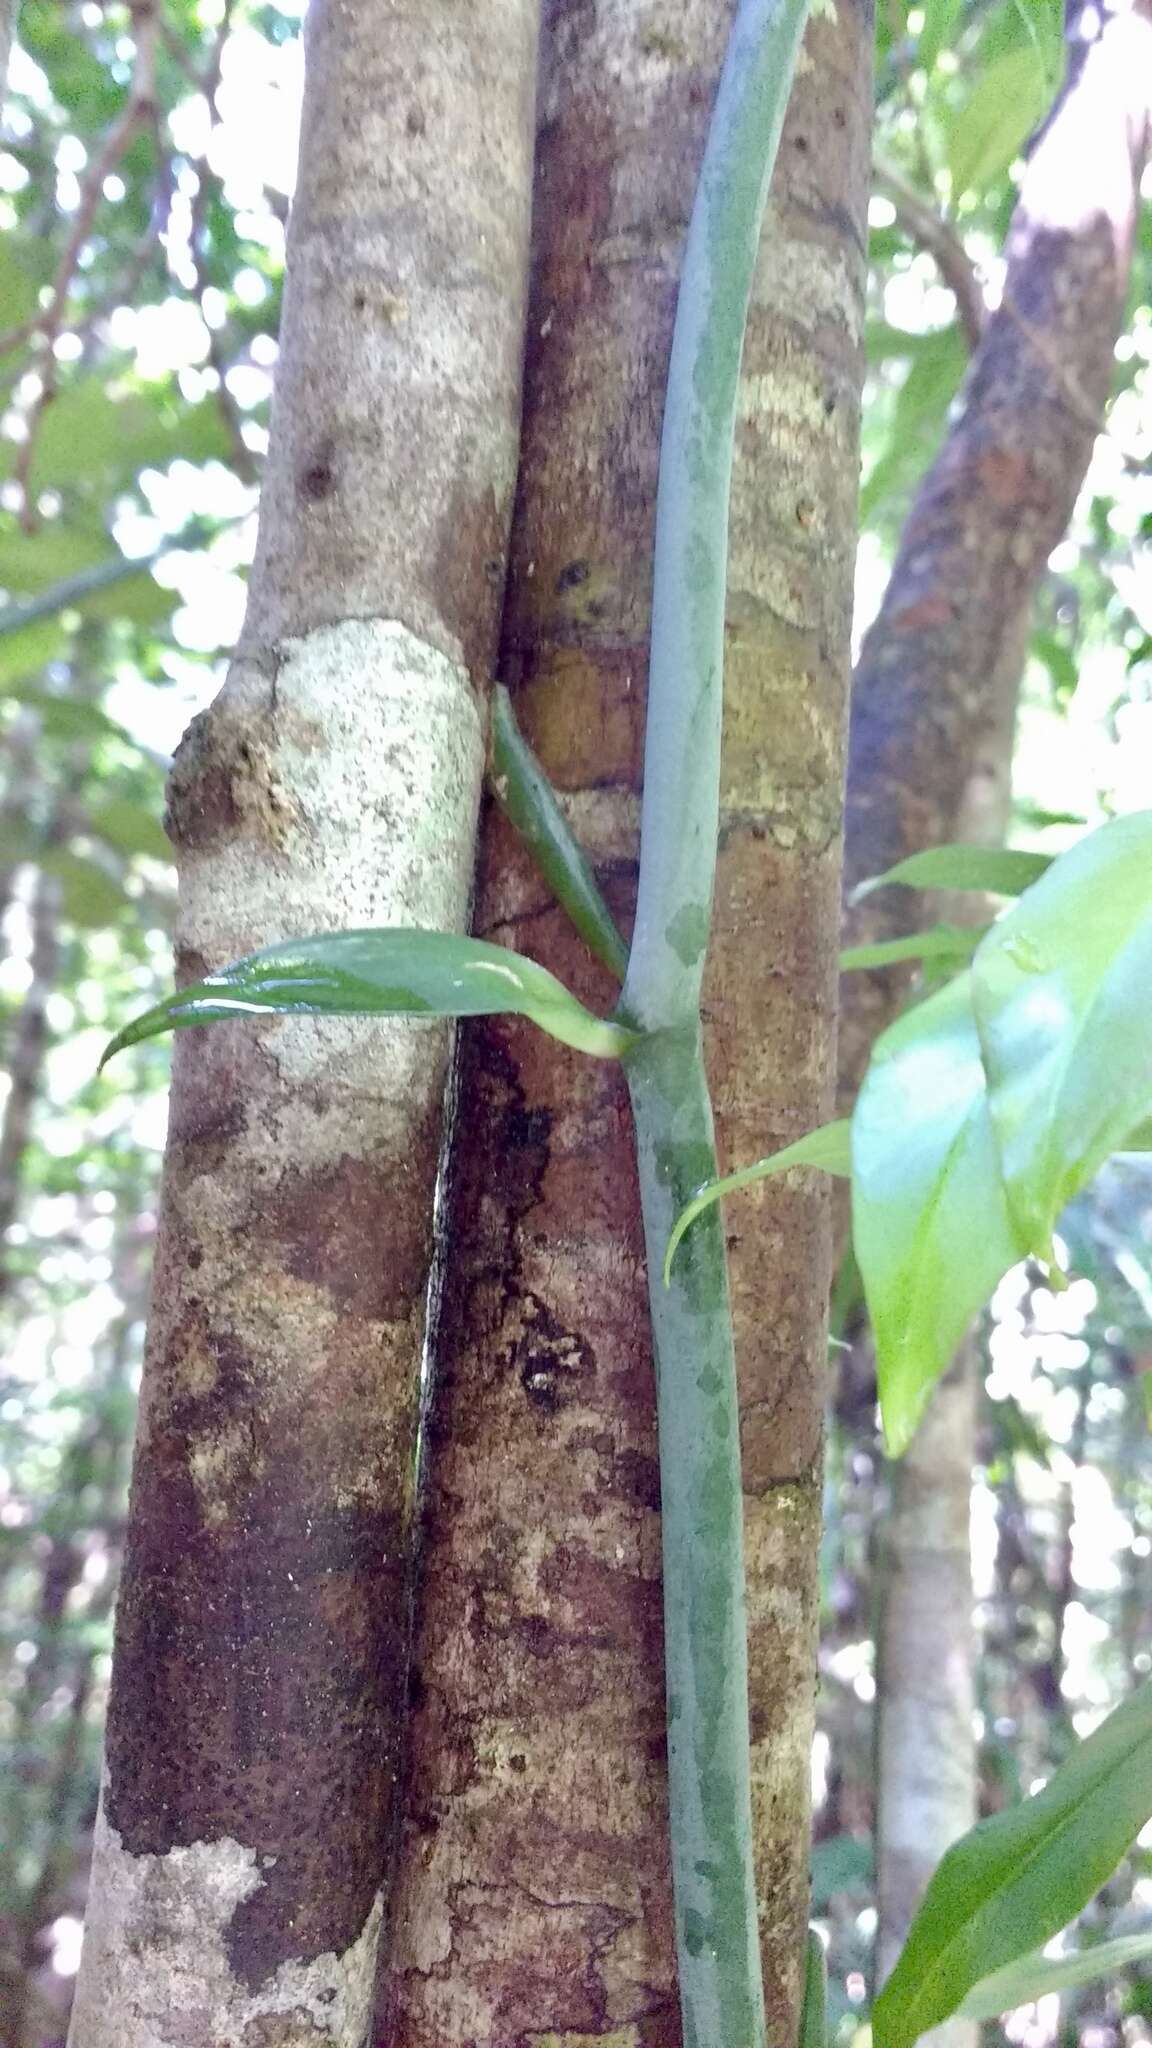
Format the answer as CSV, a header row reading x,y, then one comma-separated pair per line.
x,y
681,808
705,1643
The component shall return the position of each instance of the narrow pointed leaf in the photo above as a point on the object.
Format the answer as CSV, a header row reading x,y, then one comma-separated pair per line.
x,y
1061,990
529,802
929,1218
993,870
943,942
1014,1881
1037,1975
396,972
814,2011
828,1148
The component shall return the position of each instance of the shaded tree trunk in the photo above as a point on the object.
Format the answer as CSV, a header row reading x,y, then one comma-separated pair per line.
x,y
534,1900
241,1865
925,1746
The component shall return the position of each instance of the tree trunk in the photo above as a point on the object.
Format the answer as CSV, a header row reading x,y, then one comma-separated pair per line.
x,y
770,990
534,1902
241,1866
925,1747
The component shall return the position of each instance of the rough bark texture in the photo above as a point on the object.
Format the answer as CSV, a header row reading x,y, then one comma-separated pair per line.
x,y
534,1906
242,1853
770,991
1000,493
534,1901
926,1763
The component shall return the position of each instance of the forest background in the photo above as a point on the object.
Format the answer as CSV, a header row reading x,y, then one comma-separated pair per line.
x,y
146,170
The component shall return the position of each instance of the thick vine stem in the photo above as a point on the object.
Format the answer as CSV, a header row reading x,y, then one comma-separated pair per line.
x,y
705,1647
709,1777
680,816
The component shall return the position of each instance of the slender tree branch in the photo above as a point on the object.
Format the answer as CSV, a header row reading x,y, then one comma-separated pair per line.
x,y
935,234
138,109
72,590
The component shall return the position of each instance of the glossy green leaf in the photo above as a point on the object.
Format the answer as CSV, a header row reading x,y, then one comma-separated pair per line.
x,y
393,973
993,870
929,1217
814,2011
992,125
1037,1975
942,942
1015,1880
528,800
827,1148
130,828
1061,990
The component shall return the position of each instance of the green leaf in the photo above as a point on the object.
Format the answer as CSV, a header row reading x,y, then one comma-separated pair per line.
x,y
130,828
528,800
66,718
1061,992
941,19
946,942
991,127
57,550
828,1148
993,870
814,2011
100,436
21,276
388,973
842,1863
1036,1975
90,896
1015,1880
918,417
929,1217
26,652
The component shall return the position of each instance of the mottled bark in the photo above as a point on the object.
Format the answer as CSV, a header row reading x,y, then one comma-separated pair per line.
x,y
770,990
1000,493
535,1899
534,1903
24,1057
242,1857
925,1752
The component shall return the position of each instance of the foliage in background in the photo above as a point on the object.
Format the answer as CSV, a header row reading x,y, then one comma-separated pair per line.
x,y
141,241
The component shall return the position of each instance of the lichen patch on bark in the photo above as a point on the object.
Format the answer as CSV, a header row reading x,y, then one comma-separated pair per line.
x,y
159,1971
